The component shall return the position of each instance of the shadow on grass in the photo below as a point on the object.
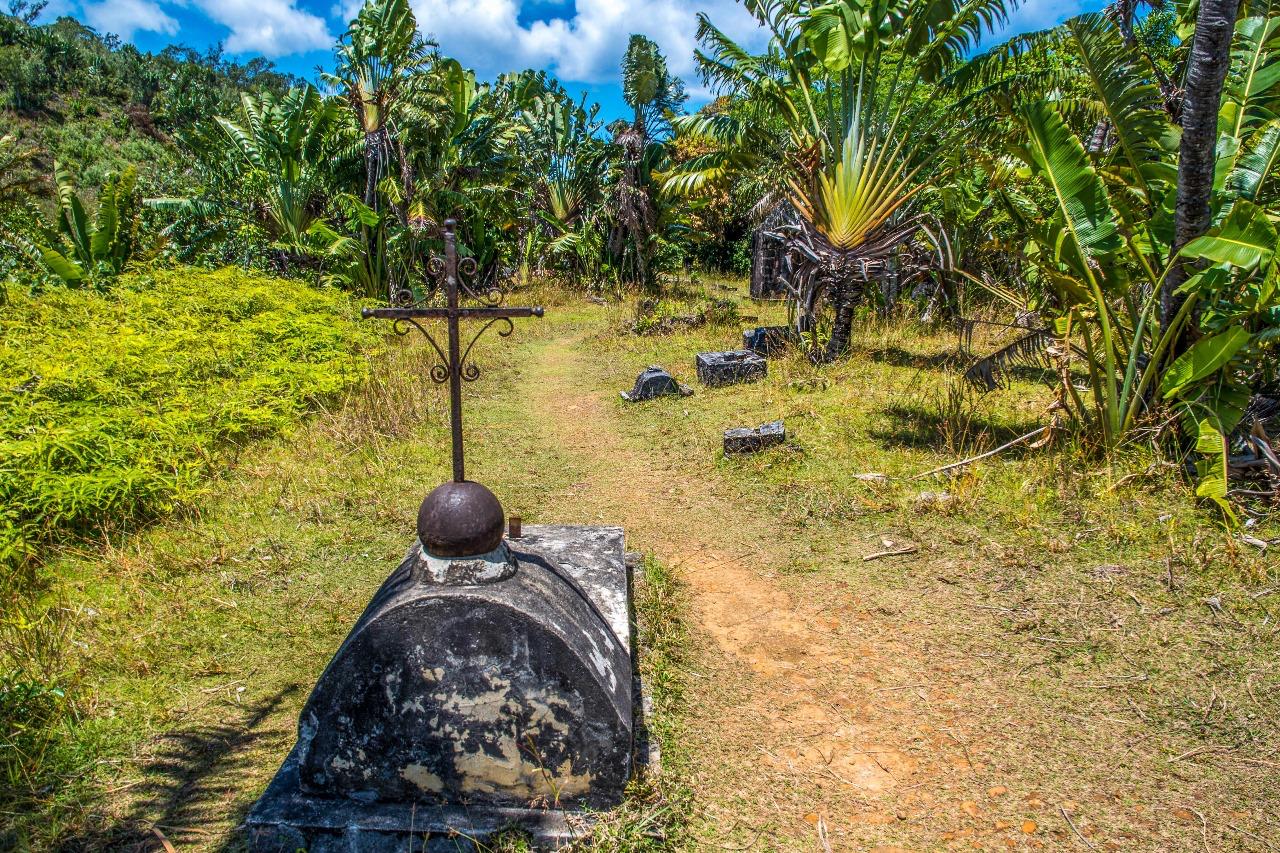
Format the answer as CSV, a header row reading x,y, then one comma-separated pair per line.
x,y
1033,374
952,360
957,362
195,777
918,428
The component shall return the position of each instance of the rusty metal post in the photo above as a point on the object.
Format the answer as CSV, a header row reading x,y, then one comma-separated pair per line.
x,y
455,349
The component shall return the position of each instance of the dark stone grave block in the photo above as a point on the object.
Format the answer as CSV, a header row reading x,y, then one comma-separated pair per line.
x,y
768,340
746,440
653,382
473,695
727,368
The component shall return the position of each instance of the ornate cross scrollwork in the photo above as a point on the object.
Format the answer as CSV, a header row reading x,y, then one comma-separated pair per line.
x,y
453,276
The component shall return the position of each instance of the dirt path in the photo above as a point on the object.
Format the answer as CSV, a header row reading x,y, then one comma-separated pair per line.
x,y
810,718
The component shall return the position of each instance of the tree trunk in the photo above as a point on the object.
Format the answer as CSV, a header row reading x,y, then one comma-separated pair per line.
x,y
374,148
1123,12
842,322
1206,70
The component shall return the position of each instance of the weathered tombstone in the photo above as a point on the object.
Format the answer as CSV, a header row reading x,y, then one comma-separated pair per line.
x,y
768,340
727,368
768,251
488,685
653,382
747,440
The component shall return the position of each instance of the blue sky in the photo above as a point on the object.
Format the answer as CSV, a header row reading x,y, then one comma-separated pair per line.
x,y
581,41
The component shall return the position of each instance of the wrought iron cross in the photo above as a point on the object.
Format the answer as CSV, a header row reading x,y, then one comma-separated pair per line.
x,y
454,366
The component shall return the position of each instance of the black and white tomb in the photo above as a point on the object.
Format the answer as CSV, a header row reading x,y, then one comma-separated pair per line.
x,y
489,684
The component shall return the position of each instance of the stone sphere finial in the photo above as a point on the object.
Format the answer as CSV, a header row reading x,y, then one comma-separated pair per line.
x,y
460,520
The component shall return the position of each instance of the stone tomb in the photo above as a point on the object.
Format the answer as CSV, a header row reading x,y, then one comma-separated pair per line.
x,y
473,695
490,682
728,368
746,440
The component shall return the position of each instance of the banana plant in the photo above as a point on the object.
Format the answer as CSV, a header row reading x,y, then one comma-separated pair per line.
x,y
1238,296
85,251
282,145
275,156
1108,304
1089,255
361,264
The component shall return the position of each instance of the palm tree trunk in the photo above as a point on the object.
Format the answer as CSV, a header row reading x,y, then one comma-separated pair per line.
x,y
1206,70
842,322
374,154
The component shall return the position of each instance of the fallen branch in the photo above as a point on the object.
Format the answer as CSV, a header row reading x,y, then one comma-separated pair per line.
x,y
982,456
164,842
1067,818
900,552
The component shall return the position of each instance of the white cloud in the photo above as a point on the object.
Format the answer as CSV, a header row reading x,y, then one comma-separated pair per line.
x,y
269,27
126,17
584,45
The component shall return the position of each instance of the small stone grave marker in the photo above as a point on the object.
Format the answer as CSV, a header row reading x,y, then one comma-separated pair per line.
x,y
768,340
728,368
747,440
653,382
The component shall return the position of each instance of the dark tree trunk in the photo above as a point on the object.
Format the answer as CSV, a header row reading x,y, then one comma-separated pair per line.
x,y
1123,12
1101,139
842,322
374,151
1206,70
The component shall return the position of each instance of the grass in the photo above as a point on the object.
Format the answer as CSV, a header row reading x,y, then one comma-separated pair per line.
x,y
114,406
1091,640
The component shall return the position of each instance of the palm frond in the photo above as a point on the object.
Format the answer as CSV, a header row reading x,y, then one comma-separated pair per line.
x,y
1027,350
1122,91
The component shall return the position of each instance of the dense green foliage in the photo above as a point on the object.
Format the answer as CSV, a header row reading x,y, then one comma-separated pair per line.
x,y
113,406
